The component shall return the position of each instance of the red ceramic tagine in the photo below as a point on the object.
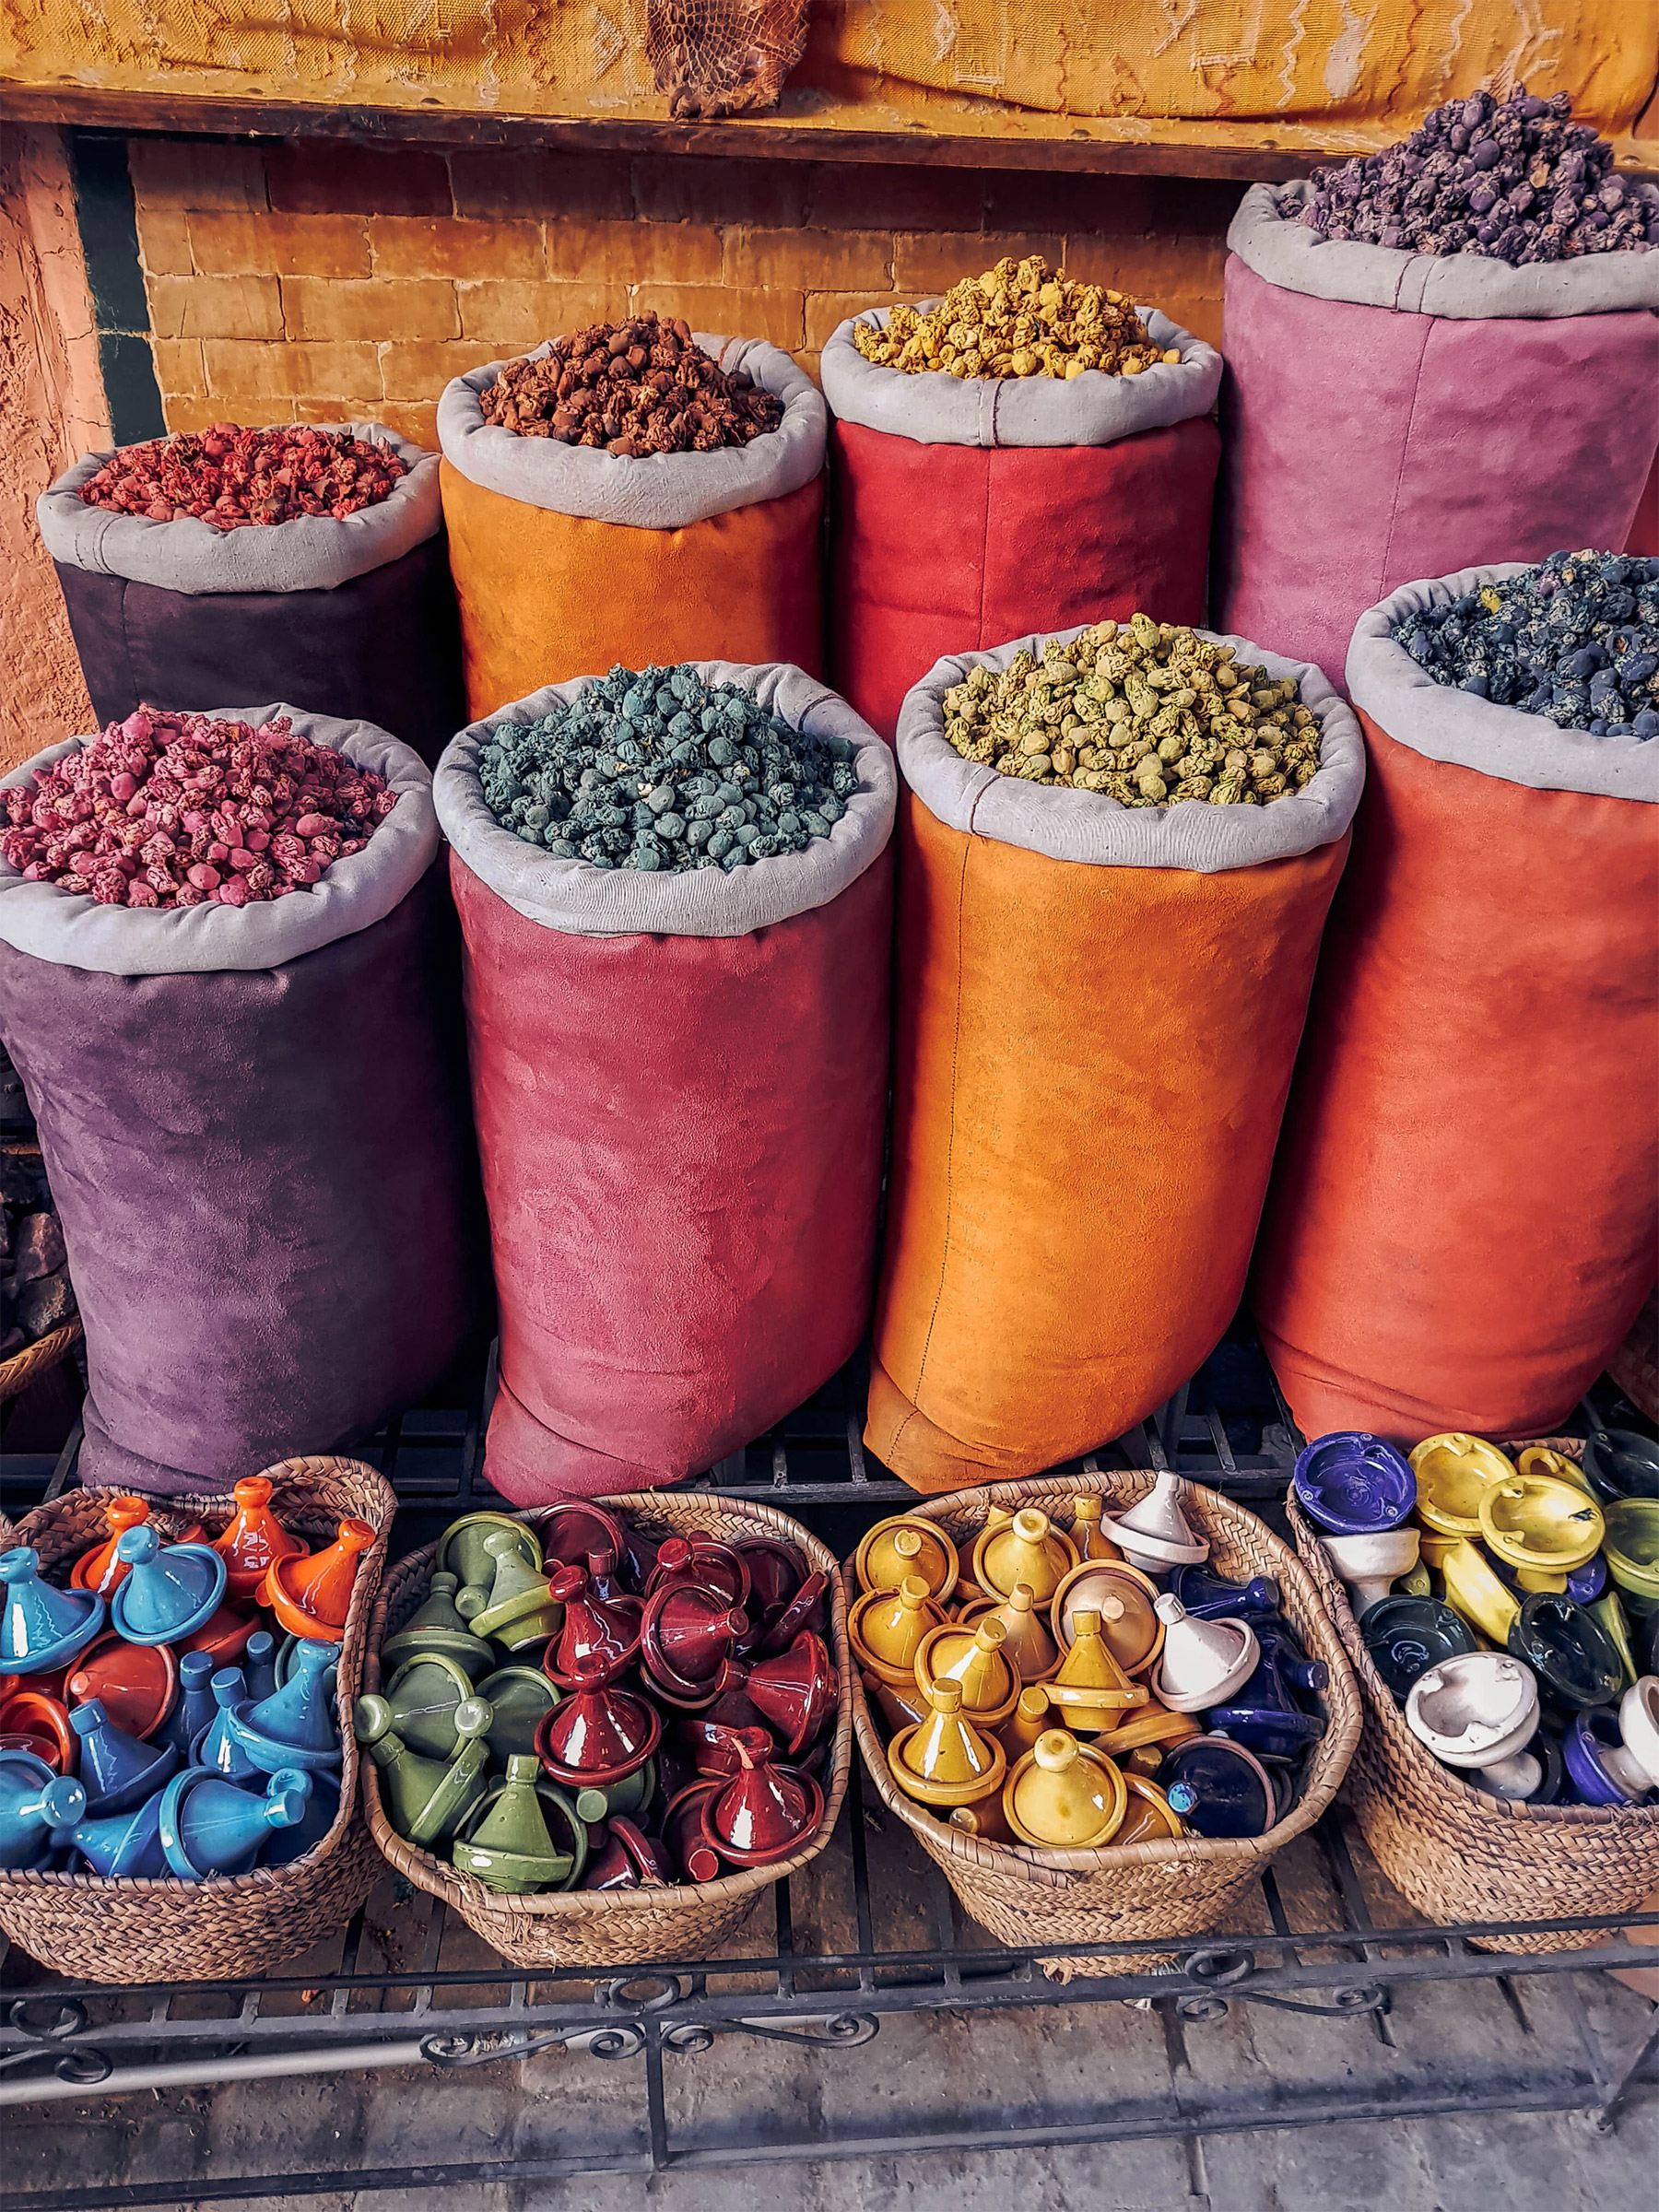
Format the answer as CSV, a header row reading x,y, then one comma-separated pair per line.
x,y
598,1637
707,1733
254,1539
597,1735
629,1860
40,1724
687,1629
99,1570
224,1638
766,1811
702,1563
797,1691
776,1571
808,1608
567,1533
683,1836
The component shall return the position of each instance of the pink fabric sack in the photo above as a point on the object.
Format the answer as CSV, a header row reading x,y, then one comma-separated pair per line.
x,y
679,1082
1389,415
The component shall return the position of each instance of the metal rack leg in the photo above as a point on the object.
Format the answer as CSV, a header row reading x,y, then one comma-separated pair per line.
x,y
1624,2082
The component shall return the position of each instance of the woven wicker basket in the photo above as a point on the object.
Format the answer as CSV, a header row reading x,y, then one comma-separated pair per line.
x,y
17,1373
606,1927
231,1925
1634,1364
1460,1855
1126,1893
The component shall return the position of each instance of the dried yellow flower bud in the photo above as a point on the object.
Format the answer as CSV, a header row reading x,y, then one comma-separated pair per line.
x,y
1017,319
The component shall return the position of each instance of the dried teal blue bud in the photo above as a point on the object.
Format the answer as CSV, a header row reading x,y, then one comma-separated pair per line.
x,y
814,822
561,846
721,844
746,833
671,825
734,859
721,751
698,833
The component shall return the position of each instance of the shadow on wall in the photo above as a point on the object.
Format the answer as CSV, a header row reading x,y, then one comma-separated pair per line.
x,y
51,407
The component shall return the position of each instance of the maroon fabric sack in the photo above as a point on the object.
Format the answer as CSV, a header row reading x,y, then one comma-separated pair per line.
x,y
384,647
264,1174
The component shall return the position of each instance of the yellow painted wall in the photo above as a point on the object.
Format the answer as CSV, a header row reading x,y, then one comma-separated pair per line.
x,y
949,63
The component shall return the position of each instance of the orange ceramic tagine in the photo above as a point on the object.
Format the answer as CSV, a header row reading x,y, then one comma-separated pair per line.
x,y
99,1570
310,1596
255,1538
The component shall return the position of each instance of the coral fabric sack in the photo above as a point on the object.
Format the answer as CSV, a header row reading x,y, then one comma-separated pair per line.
x,y
358,617
968,511
255,1123
679,1083
1392,415
568,560
1098,1010
1466,1214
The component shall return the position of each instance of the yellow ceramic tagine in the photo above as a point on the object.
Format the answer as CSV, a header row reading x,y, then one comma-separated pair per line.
x,y
973,1658
904,1546
886,1629
946,1761
1090,1689
1028,1720
1149,1818
1451,1472
1149,1727
1065,1796
1475,1592
1030,1550
1534,1521
1027,1640
1129,1625
984,1821
1088,1540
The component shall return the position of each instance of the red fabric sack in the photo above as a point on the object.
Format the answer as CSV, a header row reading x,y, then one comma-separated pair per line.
x,y
680,1129
966,511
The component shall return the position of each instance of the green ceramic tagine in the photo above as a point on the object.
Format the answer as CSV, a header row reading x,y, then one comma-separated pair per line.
x,y
517,1609
436,1629
461,1547
425,1694
426,1798
507,1845
518,1696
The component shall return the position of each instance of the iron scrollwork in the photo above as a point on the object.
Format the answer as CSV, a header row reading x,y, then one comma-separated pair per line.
x,y
73,2061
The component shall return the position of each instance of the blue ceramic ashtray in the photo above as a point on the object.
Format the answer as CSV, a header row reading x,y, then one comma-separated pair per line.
x,y
1621,1464
1405,1636
1353,1484
1586,1747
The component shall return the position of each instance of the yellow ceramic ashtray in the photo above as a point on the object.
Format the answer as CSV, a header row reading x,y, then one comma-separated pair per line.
x,y
1065,1796
1476,1592
1535,1520
1453,1473
1538,1459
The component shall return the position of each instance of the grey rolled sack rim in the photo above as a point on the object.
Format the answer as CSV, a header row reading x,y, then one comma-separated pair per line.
x,y
1097,831
655,491
933,408
1454,726
72,930
579,899
1268,237
309,553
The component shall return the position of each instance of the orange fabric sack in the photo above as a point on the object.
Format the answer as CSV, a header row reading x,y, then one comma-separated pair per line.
x,y
1098,1009
1466,1208
568,560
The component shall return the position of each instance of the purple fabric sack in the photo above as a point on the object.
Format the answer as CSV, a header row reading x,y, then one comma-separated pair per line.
x,y
1389,415
264,1165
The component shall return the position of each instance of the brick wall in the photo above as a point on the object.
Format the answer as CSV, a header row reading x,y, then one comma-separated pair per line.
x,y
305,280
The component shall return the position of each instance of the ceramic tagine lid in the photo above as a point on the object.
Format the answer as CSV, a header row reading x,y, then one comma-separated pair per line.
x,y
1030,1550
945,1760
1204,1661
1026,1641
886,1629
905,1547
1126,1601
974,1659
1156,1535
1065,1796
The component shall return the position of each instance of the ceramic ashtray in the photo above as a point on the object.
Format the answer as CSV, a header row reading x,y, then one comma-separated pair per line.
x,y
1353,1484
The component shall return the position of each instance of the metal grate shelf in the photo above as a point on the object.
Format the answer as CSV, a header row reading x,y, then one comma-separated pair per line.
x,y
867,1940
